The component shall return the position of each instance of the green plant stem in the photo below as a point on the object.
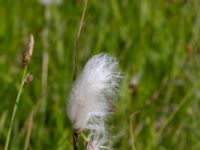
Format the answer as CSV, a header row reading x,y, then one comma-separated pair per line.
x,y
84,137
78,38
15,108
131,132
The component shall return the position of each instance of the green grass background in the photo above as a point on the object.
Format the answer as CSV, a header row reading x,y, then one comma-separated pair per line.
x,y
157,39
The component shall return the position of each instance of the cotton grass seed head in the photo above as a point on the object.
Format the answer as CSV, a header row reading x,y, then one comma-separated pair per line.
x,y
93,92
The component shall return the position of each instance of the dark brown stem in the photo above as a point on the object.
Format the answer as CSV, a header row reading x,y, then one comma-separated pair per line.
x,y
75,140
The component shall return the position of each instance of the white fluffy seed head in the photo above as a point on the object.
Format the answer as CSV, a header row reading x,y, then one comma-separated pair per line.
x,y
93,92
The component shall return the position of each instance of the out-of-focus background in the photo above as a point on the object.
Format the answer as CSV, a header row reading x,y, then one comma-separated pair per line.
x,y
157,43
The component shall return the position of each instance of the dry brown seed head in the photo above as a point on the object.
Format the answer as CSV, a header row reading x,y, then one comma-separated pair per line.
x,y
28,53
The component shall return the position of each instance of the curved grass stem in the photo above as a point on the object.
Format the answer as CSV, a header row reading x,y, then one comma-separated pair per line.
x,y
15,108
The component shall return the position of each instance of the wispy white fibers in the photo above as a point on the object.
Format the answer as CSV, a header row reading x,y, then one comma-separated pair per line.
x,y
97,140
93,92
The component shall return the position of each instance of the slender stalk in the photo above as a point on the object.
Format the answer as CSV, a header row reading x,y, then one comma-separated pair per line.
x,y
30,128
15,108
25,79
75,140
45,58
75,134
131,132
44,80
84,137
77,39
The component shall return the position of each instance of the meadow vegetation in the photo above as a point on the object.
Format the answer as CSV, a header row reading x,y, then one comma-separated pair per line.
x,y
157,43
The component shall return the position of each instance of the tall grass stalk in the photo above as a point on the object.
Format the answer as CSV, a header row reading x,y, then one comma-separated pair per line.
x,y
30,127
15,108
75,135
26,60
77,39
45,59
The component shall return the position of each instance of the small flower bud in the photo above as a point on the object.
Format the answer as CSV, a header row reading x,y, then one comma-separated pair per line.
x,y
29,78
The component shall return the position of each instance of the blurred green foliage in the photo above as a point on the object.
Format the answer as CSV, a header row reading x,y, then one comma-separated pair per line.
x,y
157,43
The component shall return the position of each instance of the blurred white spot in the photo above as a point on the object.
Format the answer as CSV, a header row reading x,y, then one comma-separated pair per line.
x,y
50,2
